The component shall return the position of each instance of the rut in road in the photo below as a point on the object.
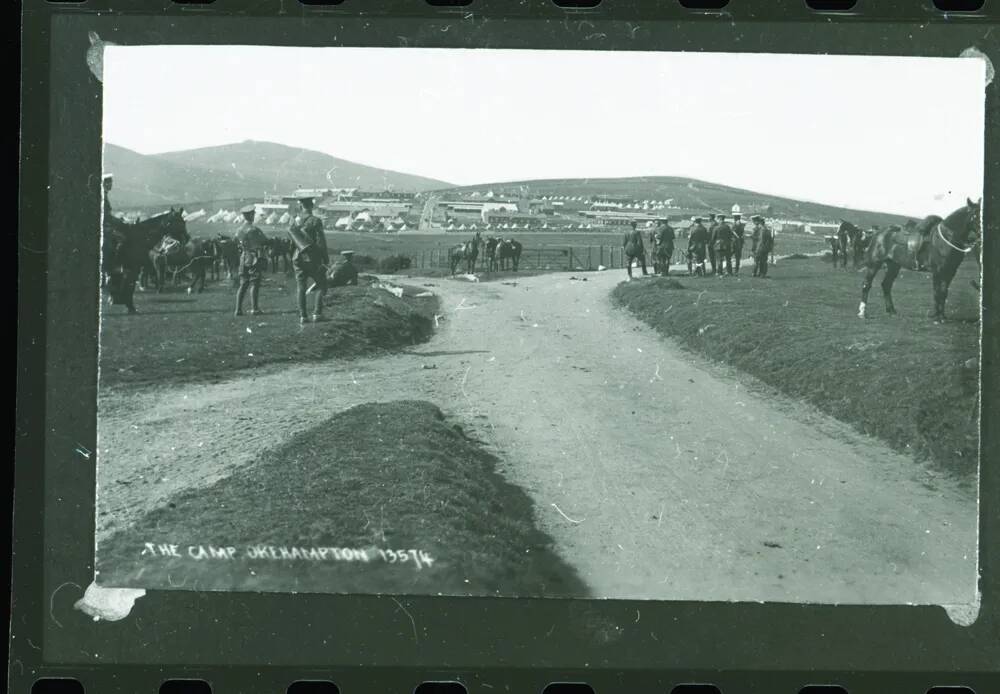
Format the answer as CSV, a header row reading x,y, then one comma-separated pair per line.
x,y
659,477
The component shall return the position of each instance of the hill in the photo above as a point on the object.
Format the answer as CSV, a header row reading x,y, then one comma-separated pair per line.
x,y
239,171
691,194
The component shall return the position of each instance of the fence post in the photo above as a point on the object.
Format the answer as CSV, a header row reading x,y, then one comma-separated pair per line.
x,y
538,266
571,268
590,257
602,254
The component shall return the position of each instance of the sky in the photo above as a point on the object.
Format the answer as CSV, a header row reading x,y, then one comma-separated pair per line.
x,y
901,135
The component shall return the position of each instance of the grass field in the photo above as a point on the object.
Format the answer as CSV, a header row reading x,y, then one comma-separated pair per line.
x,y
418,507
900,378
177,337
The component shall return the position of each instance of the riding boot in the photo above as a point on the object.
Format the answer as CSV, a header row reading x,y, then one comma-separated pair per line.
x,y
254,296
318,310
239,298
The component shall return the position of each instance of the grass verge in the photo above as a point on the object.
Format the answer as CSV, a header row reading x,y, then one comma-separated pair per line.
x,y
176,337
378,477
902,378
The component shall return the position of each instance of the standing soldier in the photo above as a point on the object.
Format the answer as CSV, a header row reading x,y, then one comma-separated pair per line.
x,y
112,241
763,246
697,243
739,231
253,259
310,259
711,240
723,242
665,246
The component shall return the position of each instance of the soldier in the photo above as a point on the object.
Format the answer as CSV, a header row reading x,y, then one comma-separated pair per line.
x,y
310,259
664,246
697,243
739,232
345,273
253,259
763,246
723,242
112,241
711,241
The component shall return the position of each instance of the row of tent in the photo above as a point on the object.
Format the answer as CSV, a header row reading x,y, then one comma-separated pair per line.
x,y
234,217
515,225
635,204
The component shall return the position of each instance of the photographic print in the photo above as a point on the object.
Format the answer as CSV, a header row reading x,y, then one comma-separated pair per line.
x,y
525,323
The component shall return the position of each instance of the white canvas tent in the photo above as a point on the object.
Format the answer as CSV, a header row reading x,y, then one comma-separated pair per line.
x,y
285,218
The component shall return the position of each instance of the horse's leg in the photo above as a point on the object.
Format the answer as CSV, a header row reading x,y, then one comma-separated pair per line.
x,y
891,271
866,287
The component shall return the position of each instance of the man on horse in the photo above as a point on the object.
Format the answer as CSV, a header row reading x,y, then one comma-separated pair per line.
x,y
763,246
310,259
697,244
253,248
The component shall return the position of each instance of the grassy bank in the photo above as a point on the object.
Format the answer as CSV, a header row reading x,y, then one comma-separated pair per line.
x,y
900,378
378,479
177,337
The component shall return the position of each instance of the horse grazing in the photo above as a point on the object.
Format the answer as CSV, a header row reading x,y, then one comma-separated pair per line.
x,y
509,254
133,251
935,243
633,249
492,242
467,253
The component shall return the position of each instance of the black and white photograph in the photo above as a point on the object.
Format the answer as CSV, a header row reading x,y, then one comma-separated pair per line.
x,y
533,323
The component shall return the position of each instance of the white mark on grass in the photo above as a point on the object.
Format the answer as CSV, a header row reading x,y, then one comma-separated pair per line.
x,y
575,522
413,623
656,374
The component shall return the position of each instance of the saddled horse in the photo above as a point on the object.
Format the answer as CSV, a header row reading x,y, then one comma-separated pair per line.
x,y
490,249
169,255
279,249
131,254
465,253
634,249
509,254
934,243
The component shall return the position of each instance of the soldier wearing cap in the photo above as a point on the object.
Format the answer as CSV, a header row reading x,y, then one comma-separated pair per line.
x,y
253,259
113,237
763,246
697,244
722,242
345,272
664,247
310,258
712,223
739,233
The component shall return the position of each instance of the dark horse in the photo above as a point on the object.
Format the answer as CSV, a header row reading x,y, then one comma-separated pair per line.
x,y
851,237
633,249
509,254
133,251
938,244
467,253
492,242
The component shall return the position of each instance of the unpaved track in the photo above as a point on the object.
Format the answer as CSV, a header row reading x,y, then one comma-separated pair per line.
x,y
659,477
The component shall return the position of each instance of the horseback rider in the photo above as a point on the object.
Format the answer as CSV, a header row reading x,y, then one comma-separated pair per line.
x,y
697,243
722,240
345,272
253,245
310,258
739,232
763,246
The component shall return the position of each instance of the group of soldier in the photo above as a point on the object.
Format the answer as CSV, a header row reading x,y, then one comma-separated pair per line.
x,y
721,243
310,257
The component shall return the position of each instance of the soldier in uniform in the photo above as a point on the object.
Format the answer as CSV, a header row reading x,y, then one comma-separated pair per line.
x,y
310,259
664,247
723,242
253,259
345,272
711,241
697,244
763,246
739,231
112,241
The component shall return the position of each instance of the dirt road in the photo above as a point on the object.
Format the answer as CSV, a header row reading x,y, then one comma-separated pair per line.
x,y
659,477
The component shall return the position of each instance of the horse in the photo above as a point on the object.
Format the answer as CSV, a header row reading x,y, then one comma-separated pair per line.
x,y
492,242
633,249
853,238
838,249
279,249
133,252
509,254
935,243
169,254
228,252
467,253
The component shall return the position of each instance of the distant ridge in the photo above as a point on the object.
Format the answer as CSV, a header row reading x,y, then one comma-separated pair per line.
x,y
690,194
237,171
